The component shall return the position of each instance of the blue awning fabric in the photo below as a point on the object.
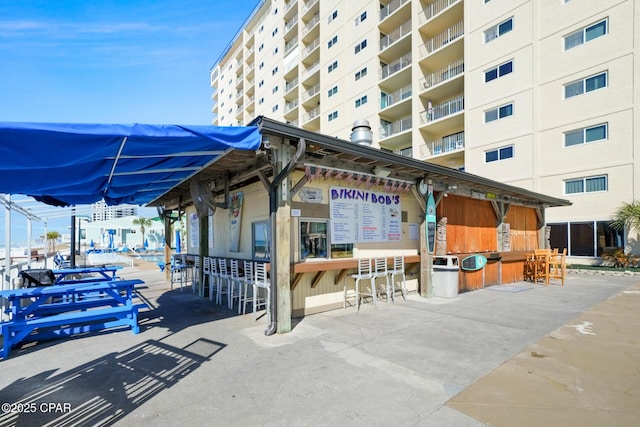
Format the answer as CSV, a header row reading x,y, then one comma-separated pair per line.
x,y
65,164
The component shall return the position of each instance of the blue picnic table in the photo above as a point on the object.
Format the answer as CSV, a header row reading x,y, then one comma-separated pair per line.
x,y
62,310
97,274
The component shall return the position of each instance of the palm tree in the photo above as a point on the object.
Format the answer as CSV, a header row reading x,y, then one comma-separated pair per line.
x,y
52,237
143,223
628,216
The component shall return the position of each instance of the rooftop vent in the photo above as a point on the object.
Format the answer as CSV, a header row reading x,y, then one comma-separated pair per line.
x,y
361,133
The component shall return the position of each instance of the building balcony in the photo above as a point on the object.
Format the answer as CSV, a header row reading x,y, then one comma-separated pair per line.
x,y
309,7
290,85
311,119
311,24
390,129
447,144
290,25
309,48
291,68
440,111
310,95
290,106
311,71
436,9
289,7
390,8
406,152
395,66
395,35
443,39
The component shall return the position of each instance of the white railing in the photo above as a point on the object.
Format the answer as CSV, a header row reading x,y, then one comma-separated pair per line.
x,y
447,144
288,46
289,5
397,65
291,23
290,85
406,152
291,64
450,34
395,35
310,47
390,8
308,5
312,23
388,99
290,105
312,114
311,91
390,129
442,110
436,7
311,70
443,74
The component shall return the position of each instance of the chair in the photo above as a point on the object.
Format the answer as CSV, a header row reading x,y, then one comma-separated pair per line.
x,y
214,278
380,270
558,265
195,274
398,270
542,265
206,271
249,281
364,273
178,269
261,282
235,285
223,275
60,261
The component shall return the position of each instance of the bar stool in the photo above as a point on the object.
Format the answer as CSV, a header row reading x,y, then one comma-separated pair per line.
x,y
214,278
261,281
249,281
398,270
364,273
206,270
195,274
380,265
235,286
223,275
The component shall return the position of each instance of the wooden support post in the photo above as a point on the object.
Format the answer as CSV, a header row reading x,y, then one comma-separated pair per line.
x,y
204,251
281,227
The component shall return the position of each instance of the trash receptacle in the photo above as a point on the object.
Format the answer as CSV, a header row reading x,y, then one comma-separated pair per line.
x,y
445,276
37,277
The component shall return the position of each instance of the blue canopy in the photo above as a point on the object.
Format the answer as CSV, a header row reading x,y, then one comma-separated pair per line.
x,y
72,164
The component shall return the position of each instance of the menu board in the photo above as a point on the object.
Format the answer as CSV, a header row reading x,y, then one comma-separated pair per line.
x,y
364,216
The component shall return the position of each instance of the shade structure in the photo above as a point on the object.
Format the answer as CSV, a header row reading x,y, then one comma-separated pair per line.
x,y
71,164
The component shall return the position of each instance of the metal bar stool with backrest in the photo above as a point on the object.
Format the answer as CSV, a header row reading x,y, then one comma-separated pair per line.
x,y
235,285
214,278
364,273
398,270
261,283
195,275
248,282
223,280
381,271
206,271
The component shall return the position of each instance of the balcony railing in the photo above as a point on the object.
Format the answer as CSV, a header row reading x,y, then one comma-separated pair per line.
x,y
310,47
312,114
388,99
290,105
406,152
445,109
443,74
390,8
290,23
311,69
397,65
288,46
312,23
290,85
450,34
390,129
436,7
395,35
447,144
293,62
311,91
289,5
308,5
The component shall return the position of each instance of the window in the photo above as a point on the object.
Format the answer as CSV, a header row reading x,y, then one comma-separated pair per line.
x,y
361,46
313,239
361,73
585,135
498,154
361,101
332,91
332,16
333,41
499,71
260,65
261,240
274,71
498,30
274,90
260,83
275,50
585,85
586,185
333,66
274,32
590,238
498,113
274,108
260,47
332,116
260,101
585,34
361,18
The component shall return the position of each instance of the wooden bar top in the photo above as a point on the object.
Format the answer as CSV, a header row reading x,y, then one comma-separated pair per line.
x,y
341,264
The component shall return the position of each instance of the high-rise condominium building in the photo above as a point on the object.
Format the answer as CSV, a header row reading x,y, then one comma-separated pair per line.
x,y
536,93
101,212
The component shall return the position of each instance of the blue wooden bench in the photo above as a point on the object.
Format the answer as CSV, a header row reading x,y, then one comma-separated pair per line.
x,y
57,311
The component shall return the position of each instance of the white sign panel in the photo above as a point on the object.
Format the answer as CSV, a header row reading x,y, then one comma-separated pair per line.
x,y
364,216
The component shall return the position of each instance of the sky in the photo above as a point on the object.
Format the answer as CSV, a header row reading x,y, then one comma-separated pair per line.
x,y
110,61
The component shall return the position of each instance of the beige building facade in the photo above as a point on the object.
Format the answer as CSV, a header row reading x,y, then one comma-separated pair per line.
x,y
537,94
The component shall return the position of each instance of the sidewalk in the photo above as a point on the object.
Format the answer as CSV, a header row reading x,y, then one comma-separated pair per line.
x,y
486,356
